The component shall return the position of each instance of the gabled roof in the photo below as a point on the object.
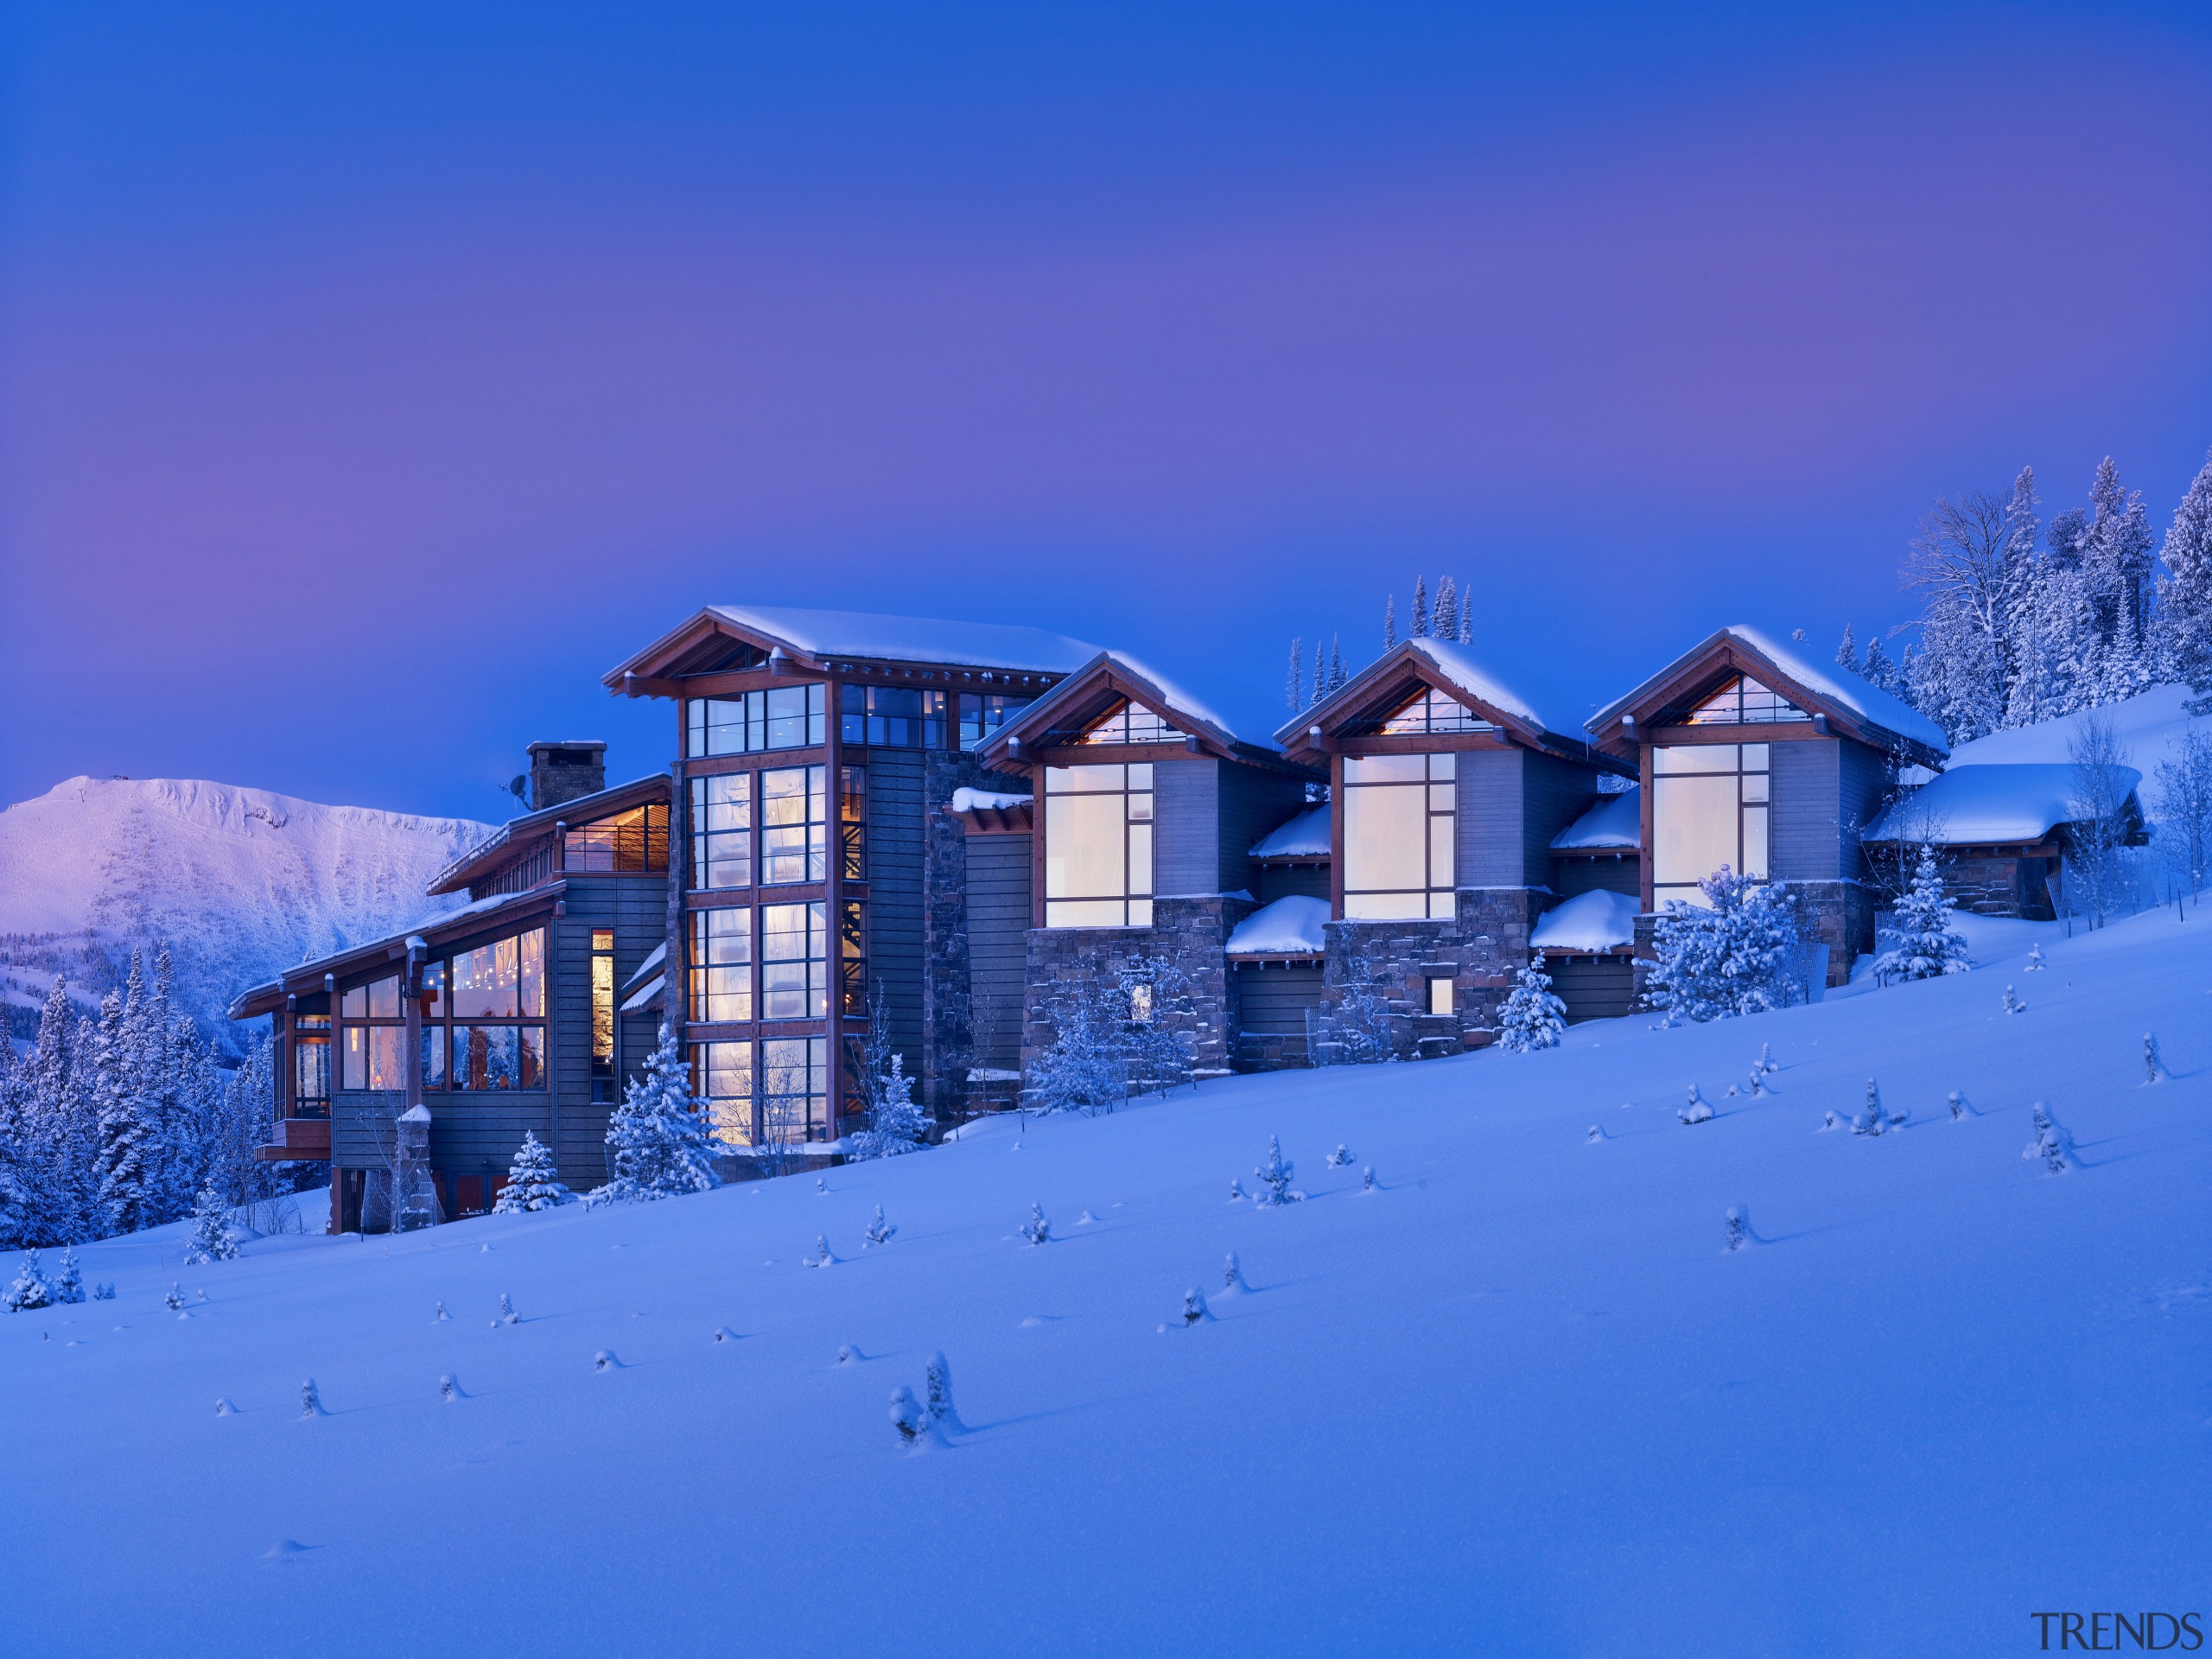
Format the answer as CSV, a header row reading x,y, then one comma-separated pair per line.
x,y
812,639
307,977
1987,806
1110,677
488,854
1862,710
1448,667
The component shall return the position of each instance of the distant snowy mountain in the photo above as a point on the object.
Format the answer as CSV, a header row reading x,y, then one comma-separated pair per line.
x,y
238,882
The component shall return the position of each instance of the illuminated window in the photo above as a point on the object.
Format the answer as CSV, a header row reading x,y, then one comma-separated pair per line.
x,y
783,717
1401,817
496,1004
794,826
721,831
722,1076
633,843
891,717
372,1039
795,1089
1433,711
1742,701
1439,996
794,961
1098,845
1709,807
602,1003
852,821
1130,724
721,965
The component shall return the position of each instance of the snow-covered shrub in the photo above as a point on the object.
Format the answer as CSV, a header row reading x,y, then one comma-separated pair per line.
x,y
102,1292
821,1258
1274,1174
1359,1026
442,1317
449,1388
1232,1277
1341,1157
1595,1136
1765,1061
530,1187
1037,1229
1925,947
2153,1067
1739,1228
69,1282
938,1382
1084,1069
30,1291
1532,1016
1195,1311
311,1400
1699,1110
1237,1194
878,1231
895,1124
1741,955
1367,1181
605,1360
2035,958
1958,1105
2013,1004
660,1143
911,1421
175,1300
210,1230
2053,1145
1872,1119
507,1314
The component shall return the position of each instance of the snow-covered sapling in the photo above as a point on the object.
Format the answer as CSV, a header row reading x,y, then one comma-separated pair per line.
x,y
1766,1060
1699,1110
1958,1105
1830,1121
103,1293
441,1317
1729,1093
1755,1085
1037,1229
448,1389
911,1420
1340,1157
69,1282
723,1333
1739,1228
938,1383
174,1299
1871,1119
878,1231
2013,1004
1532,1017
2153,1068
311,1400
1367,1182
821,1187
1237,1194
821,1258
507,1314
224,1407
847,1354
604,1360
1595,1136
1232,1277
1274,1175
530,1183
1195,1311
1925,947
30,1291
210,1230
2035,958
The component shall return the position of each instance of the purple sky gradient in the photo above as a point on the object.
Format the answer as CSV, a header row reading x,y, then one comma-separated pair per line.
x,y
372,387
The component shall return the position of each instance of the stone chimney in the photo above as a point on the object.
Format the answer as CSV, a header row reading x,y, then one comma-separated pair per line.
x,y
561,771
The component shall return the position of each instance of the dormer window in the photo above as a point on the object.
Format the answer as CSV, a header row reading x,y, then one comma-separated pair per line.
x,y
1742,701
633,843
1431,711
1130,724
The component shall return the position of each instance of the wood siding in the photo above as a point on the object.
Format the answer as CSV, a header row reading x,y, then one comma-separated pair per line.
x,y
1282,880
1601,987
1807,842
1186,816
998,920
1253,802
635,907
1864,781
1573,876
895,892
1554,793
1273,1002
1492,842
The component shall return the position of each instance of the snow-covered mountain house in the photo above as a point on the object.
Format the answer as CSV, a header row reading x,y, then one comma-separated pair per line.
x,y
2005,832
522,1011
1143,848
815,754
1450,788
1752,755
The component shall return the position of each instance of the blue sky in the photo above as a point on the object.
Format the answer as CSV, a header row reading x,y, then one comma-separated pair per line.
x,y
373,379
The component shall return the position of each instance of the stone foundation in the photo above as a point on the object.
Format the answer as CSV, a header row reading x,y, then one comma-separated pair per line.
x,y
948,1031
1480,951
1066,964
1839,914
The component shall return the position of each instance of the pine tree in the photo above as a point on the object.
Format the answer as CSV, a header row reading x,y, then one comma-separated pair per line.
x,y
1421,608
659,1141
1738,954
1532,1016
1446,620
1274,1176
1738,1225
895,1124
1297,674
1037,1229
69,1282
1877,669
1846,653
210,1230
1925,947
2117,560
938,1395
2185,592
1338,676
530,1183
1084,1070
30,1291
1390,623
126,1140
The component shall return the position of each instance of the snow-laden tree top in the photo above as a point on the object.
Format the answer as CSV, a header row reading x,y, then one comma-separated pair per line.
x,y
1305,836
2147,726
1979,805
911,639
1616,822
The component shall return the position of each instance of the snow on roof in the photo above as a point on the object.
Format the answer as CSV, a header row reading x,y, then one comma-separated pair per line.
x,y
1458,665
1305,836
1976,805
1173,699
647,994
443,921
2147,726
1589,921
972,800
659,954
912,639
1288,927
1616,820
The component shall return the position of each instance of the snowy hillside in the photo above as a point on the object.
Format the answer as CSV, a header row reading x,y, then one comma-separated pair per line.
x,y
1518,1401
239,882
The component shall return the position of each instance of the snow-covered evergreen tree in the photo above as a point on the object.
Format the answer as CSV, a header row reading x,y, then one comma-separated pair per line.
x,y
1532,1016
1274,1175
938,1395
1084,1068
210,1230
1390,624
1421,608
69,1280
1037,1229
2154,1068
1295,687
530,1186
1924,946
2185,591
1446,618
1697,1110
1846,652
127,1141
878,1231
2013,1004
2035,963
896,1124
30,1290
1737,954
1337,675
2185,801
1156,995
1739,1224
660,1142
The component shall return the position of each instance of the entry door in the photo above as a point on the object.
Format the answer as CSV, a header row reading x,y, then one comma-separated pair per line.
x,y
467,1196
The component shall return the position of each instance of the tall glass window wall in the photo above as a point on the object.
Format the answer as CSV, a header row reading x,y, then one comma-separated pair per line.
x,y
1098,845
795,1089
892,716
794,961
629,843
1710,805
496,1010
720,969
722,1076
782,717
1401,826
1431,711
794,826
721,831
373,1036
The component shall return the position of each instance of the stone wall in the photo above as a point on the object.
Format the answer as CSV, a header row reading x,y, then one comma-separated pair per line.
x,y
948,1046
1066,964
1839,914
1480,951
